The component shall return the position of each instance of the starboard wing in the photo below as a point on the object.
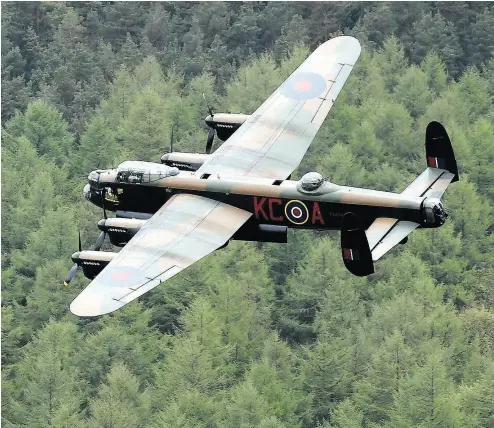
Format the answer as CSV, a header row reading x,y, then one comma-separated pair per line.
x,y
183,231
273,141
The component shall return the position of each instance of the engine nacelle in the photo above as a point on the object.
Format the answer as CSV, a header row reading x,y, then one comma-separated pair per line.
x,y
225,124
120,230
251,231
184,161
92,262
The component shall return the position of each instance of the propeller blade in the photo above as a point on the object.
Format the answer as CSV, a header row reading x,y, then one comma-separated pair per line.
x,y
209,142
70,275
73,269
209,107
171,142
99,241
103,202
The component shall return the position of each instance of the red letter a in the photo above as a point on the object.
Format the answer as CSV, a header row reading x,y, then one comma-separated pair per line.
x,y
316,214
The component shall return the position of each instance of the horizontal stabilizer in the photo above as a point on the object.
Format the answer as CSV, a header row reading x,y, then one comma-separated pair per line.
x,y
354,246
431,183
385,233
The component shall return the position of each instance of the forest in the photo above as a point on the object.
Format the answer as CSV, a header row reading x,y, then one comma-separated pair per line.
x,y
255,335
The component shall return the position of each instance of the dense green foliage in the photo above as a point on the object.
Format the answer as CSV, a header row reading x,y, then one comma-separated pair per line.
x,y
254,335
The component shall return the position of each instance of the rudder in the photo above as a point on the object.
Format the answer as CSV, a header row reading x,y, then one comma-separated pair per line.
x,y
438,149
355,249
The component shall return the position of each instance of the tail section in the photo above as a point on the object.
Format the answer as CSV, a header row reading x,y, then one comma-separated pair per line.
x,y
361,248
439,151
442,169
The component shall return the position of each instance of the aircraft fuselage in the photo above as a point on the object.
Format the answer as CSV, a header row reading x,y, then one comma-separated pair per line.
x,y
279,203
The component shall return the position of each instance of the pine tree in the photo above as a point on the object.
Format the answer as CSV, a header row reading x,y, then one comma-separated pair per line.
x,y
120,403
49,382
427,398
390,365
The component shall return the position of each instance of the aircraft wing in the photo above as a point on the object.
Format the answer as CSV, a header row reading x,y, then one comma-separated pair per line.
x,y
183,231
273,140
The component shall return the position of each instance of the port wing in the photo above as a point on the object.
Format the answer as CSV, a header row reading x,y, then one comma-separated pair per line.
x,y
183,231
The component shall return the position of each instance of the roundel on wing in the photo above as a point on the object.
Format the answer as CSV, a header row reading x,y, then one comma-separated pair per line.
x,y
304,86
296,212
121,276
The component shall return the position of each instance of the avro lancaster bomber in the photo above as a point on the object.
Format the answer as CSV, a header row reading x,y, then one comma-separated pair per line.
x,y
170,215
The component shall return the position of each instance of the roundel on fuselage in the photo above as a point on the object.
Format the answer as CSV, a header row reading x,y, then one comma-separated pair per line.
x,y
296,212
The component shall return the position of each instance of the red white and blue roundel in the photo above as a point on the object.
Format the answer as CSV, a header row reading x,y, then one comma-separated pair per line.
x,y
296,212
122,276
304,86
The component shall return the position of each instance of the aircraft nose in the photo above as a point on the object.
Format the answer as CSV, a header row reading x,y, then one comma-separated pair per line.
x,y
209,121
86,191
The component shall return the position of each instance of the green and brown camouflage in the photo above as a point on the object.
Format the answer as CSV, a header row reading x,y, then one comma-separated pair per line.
x,y
242,191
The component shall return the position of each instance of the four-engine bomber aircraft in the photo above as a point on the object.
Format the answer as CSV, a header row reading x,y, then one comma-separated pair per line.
x,y
171,215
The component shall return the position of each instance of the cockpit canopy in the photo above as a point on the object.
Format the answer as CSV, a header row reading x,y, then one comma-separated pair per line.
x,y
137,172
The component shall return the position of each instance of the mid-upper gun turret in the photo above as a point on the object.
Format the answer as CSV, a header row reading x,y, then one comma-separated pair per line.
x,y
314,183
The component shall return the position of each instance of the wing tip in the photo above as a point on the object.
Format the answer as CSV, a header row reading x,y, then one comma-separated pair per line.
x,y
349,41
84,306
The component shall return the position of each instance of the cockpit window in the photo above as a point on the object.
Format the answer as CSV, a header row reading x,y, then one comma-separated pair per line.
x,y
110,196
136,172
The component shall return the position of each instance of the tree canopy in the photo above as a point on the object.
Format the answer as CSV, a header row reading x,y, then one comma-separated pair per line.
x,y
255,335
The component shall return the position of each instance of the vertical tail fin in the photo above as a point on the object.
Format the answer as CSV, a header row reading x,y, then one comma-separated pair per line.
x,y
439,151
355,249
442,169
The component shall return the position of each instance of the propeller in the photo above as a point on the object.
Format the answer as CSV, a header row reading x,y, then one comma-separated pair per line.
x,y
209,142
99,241
171,142
209,107
102,235
73,269
97,247
103,191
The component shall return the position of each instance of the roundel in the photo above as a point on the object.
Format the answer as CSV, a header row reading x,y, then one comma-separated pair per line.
x,y
296,212
304,86
122,276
